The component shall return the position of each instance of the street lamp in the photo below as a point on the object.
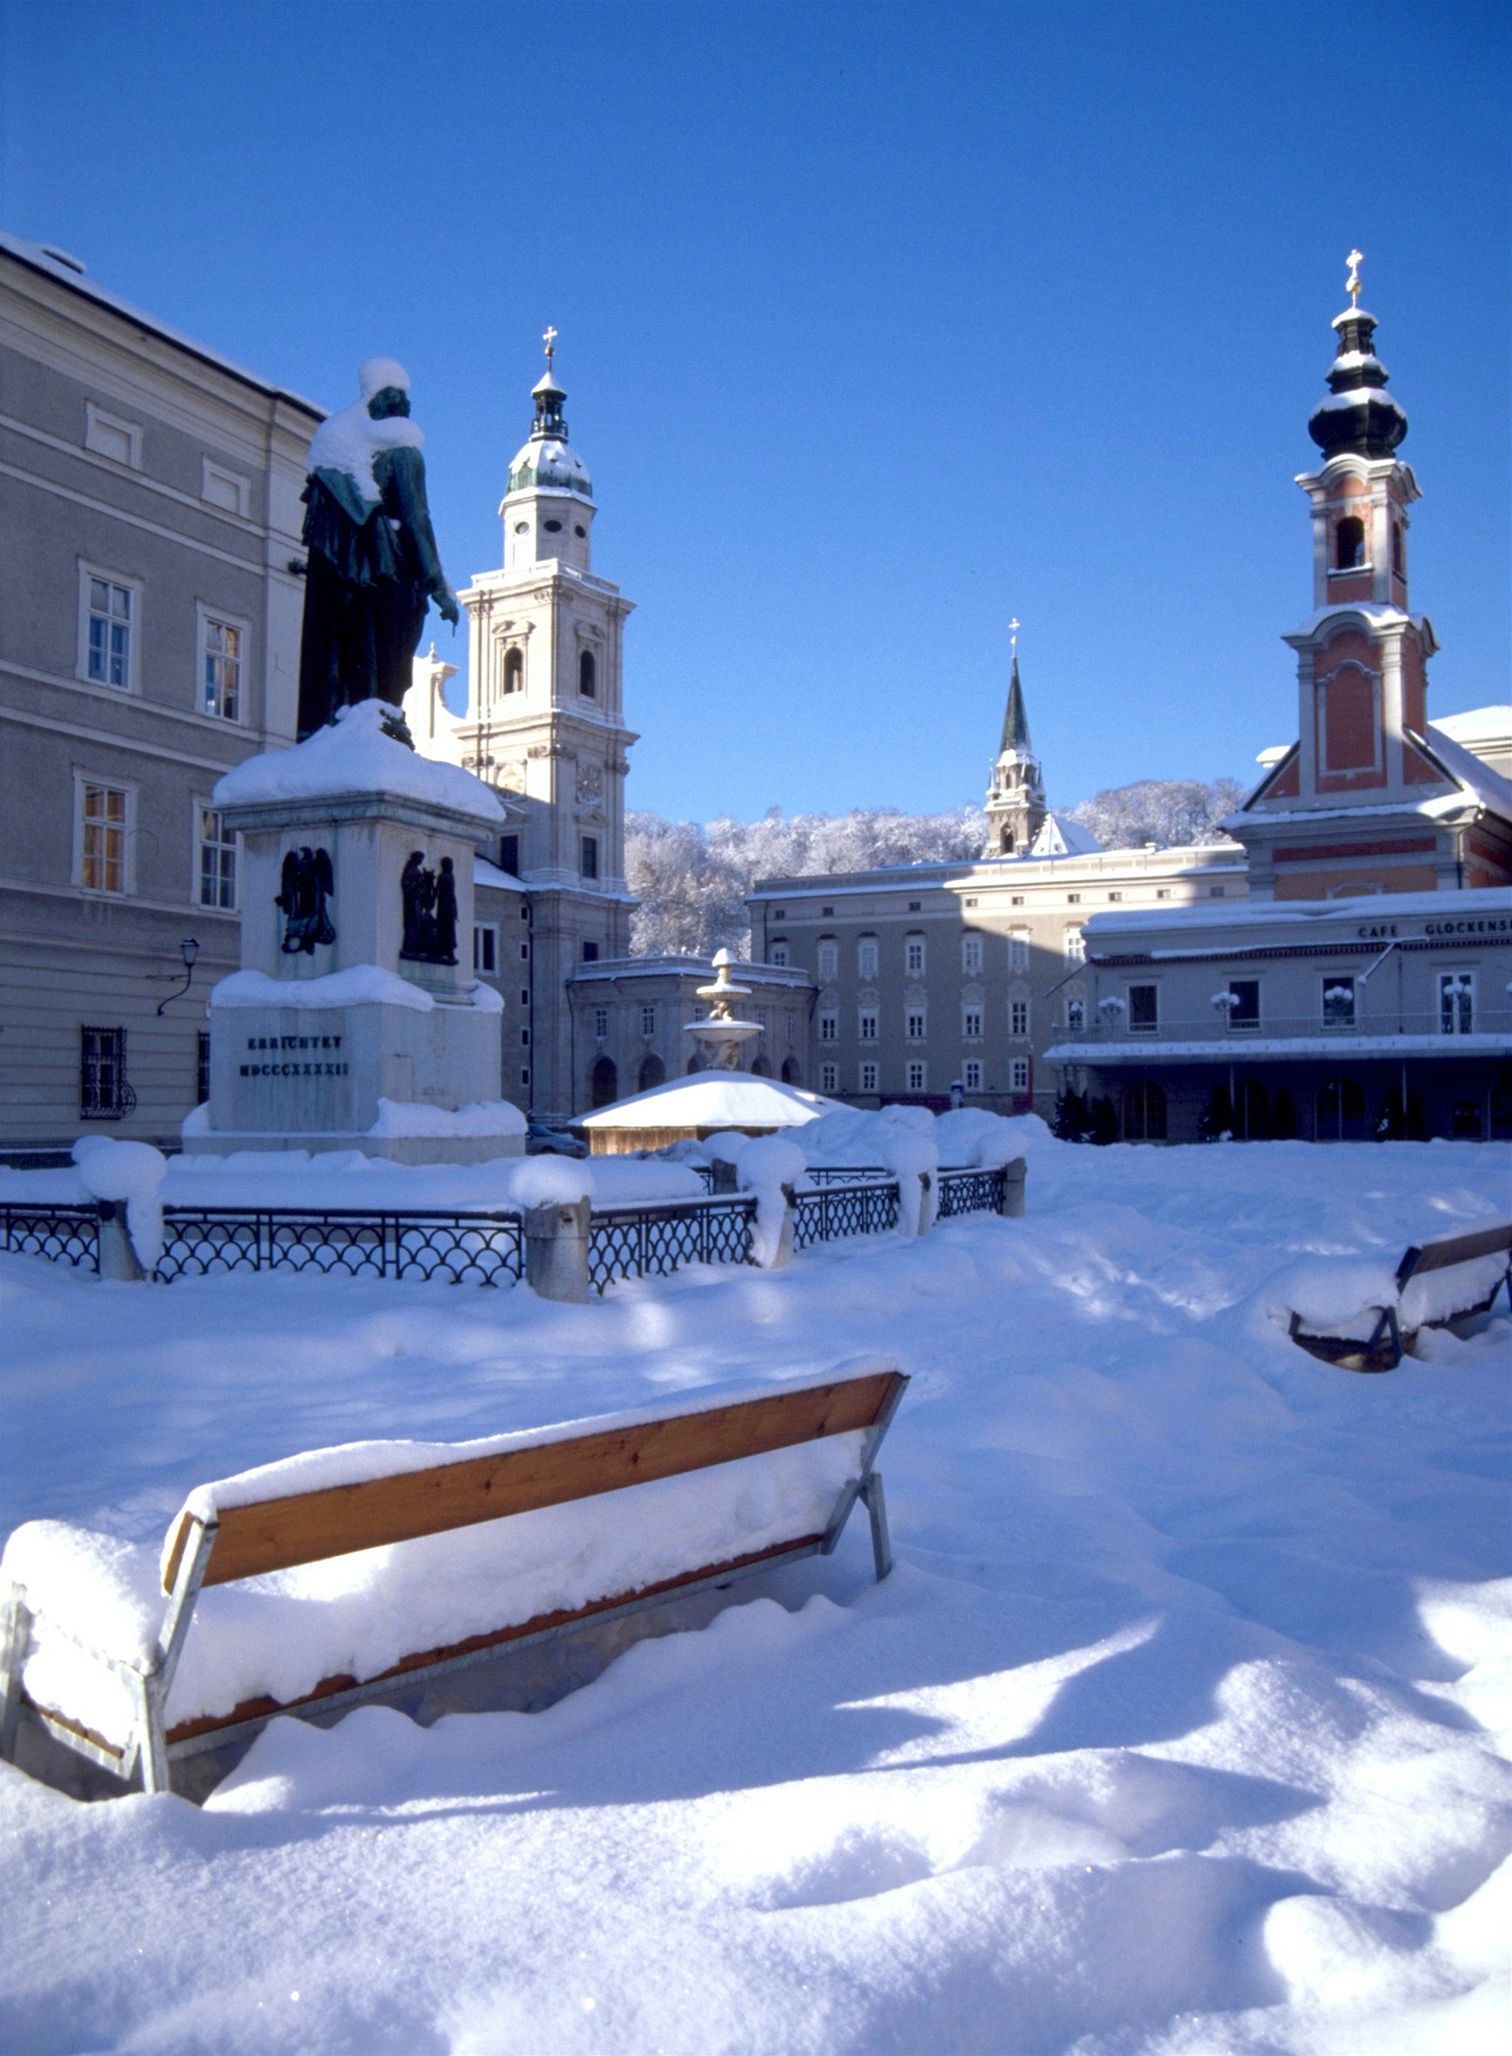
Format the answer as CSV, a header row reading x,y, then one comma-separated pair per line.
x,y
189,950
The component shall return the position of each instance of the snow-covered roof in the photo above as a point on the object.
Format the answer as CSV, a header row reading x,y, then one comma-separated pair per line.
x,y
1473,773
546,461
355,756
1231,1049
1060,836
1105,928
68,271
1376,612
713,1100
485,873
1476,724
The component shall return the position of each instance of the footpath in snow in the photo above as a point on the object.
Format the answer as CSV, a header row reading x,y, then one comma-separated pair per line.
x,y
1180,1726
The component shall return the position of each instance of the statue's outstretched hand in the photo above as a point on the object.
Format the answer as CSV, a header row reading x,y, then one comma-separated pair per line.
x,y
446,606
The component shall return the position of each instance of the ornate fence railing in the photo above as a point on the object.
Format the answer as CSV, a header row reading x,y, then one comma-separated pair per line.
x,y
836,1211
65,1234
844,1174
651,1241
471,1248
972,1192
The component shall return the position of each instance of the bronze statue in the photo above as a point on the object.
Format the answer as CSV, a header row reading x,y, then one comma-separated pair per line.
x,y
305,886
373,566
430,911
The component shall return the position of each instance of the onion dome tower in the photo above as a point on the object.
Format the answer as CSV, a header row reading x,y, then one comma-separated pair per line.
x,y
1359,418
1015,793
547,509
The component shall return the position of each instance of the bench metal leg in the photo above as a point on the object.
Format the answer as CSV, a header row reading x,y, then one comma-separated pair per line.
x,y
16,1628
876,1506
151,1743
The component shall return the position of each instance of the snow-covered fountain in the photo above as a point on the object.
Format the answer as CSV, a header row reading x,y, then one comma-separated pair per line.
x,y
722,1036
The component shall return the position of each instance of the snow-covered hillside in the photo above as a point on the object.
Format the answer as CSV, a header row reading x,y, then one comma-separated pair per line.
x,y
1180,1726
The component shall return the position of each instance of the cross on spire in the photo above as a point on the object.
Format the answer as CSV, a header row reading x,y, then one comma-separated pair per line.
x,y
1352,284
1013,629
549,339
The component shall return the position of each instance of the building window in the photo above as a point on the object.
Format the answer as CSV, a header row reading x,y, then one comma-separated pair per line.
x,y
104,1094
590,952
486,948
866,957
1018,952
1073,899
589,863
829,1077
225,489
1398,550
826,913
524,995
221,645
525,1077
109,436
972,1074
202,1067
1162,892
109,618
1144,1112
1076,946
587,675
915,906
102,824
1076,1016
1349,544
829,1026
1456,1002
1216,892
829,959
971,956
217,861
525,953
1115,895
913,1024
777,954
866,1024
916,1076
1144,1009
524,1038
971,1024
509,856
868,1078
648,1020
514,670
1016,899
1243,1007
913,956
1019,1074
600,1023
1338,1002
1018,1017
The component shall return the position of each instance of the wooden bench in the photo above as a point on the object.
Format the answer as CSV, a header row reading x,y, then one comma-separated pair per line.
x,y
815,1444
1396,1326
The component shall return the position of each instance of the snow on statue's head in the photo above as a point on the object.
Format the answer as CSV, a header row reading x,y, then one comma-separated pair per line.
x,y
377,374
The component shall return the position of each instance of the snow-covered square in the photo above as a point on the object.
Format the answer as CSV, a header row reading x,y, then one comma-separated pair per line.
x,y
1180,1724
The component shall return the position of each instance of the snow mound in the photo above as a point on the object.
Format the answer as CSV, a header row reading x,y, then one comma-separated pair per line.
x,y
551,1181
362,985
766,1165
414,1117
356,756
132,1172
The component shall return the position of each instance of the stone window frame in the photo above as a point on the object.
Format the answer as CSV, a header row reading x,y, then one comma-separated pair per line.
x,y
867,1024
485,932
1018,1074
122,582
236,490
829,1077
867,1075
971,956
83,781
1377,729
829,1024
207,615
971,1023
868,952
827,959
916,1023
971,1074
1150,1026
1019,946
104,432
915,953
916,1074
777,953
1019,1016
201,806
648,1020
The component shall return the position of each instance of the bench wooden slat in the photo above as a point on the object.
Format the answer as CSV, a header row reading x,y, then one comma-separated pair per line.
x,y
498,1638
1455,1249
278,1534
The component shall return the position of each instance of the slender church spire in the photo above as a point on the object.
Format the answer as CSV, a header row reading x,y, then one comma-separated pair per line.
x,y
1015,795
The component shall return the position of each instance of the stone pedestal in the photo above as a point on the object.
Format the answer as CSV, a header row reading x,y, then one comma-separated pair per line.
x,y
349,1043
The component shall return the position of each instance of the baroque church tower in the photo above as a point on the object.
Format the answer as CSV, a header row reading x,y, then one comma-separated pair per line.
x,y
1016,793
1370,798
545,726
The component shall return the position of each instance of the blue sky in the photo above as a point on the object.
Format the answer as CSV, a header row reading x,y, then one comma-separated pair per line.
x,y
880,325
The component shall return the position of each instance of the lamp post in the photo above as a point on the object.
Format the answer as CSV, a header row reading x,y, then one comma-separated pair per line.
x,y
189,950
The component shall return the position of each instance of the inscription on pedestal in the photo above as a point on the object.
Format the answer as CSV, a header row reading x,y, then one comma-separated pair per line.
x,y
274,1057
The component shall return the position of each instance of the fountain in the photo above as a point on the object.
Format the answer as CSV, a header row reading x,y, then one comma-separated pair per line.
x,y
722,1035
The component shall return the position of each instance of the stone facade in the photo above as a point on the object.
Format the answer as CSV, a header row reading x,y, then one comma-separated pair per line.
x,y
629,1019
149,640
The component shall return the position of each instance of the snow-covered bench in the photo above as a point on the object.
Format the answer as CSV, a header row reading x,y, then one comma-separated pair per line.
x,y
301,1602
1436,1285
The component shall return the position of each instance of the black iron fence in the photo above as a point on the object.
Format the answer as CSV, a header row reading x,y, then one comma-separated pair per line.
x,y
460,1248
486,1248
650,1242
65,1234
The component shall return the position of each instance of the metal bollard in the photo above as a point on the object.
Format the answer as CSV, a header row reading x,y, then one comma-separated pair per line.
x,y
1014,1175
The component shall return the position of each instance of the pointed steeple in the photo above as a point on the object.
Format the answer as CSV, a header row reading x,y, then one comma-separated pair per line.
x,y
1016,795
1015,720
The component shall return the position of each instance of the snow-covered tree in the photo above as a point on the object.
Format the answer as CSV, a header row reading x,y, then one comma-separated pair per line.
x,y
1165,811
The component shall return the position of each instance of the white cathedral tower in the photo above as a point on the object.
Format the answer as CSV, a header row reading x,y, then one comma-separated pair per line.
x,y
545,727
